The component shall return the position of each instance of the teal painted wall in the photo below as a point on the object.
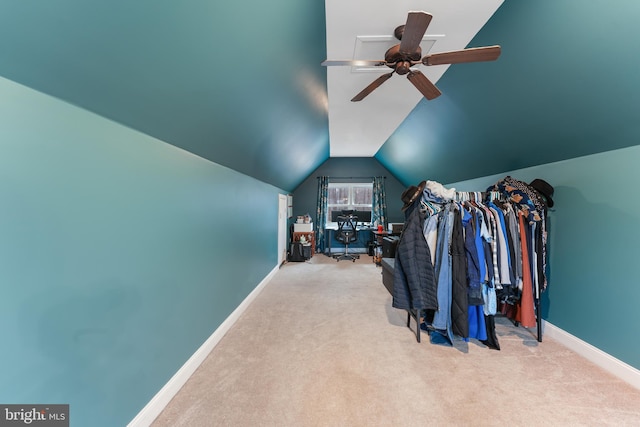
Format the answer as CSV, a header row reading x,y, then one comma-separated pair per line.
x,y
565,85
190,73
120,255
593,248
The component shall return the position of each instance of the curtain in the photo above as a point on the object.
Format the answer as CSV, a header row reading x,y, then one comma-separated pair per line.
x,y
321,212
379,208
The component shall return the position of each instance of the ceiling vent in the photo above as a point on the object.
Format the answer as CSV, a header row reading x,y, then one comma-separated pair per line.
x,y
368,47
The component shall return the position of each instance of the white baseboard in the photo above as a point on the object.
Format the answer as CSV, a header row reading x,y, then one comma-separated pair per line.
x,y
607,362
157,404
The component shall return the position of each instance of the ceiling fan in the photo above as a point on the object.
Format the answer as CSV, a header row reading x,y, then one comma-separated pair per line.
x,y
401,57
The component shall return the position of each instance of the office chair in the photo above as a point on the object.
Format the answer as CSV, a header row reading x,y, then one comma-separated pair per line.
x,y
347,233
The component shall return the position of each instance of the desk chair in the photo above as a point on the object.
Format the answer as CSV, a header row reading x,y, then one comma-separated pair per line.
x,y
347,233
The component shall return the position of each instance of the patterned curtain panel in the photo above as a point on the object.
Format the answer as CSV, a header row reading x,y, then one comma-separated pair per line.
x,y
321,212
379,209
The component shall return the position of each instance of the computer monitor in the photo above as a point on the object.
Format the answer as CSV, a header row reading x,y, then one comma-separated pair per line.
x,y
363,217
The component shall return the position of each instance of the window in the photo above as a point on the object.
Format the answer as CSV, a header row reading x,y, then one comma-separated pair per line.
x,y
345,196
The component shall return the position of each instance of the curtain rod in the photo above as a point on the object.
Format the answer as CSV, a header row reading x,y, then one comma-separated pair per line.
x,y
351,177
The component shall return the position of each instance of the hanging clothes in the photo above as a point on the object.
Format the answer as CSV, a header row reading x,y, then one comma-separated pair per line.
x,y
414,284
492,338
474,260
462,257
525,313
430,231
477,325
513,232
510,293
535,199
442,317
459,281
504,258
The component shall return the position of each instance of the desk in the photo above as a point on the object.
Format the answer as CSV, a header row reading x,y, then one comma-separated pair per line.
x,y
329,231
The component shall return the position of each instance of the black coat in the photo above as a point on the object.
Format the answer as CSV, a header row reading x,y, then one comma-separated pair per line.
x,y
459,281
414,284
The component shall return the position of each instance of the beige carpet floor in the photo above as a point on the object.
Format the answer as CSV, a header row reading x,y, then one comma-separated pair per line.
x,y
322,346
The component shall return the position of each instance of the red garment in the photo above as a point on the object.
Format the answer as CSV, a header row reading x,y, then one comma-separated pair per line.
x,y
525,311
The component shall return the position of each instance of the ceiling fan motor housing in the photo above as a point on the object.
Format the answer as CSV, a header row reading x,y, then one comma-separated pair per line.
x,y
394,55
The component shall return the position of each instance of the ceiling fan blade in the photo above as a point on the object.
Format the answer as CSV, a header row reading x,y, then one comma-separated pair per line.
x,y
372,86
353,63
414,29
476,54
424,85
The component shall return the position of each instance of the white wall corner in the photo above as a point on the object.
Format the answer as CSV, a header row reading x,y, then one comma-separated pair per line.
x,y
625,372
157,404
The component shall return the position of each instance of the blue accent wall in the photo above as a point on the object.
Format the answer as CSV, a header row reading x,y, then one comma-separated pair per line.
x,y
120,255
593,288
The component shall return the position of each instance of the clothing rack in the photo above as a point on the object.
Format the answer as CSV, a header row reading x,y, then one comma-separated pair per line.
x,y
481,198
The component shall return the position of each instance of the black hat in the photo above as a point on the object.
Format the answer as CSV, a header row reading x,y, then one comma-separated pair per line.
x,y
543,188
411,194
